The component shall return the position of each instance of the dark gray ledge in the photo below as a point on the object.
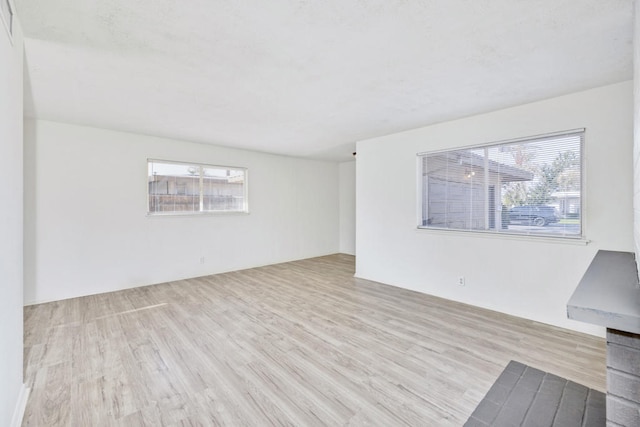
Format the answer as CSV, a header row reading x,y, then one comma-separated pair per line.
x,y
608,294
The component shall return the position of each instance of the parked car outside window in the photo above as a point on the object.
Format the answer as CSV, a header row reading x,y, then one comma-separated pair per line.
x,y
538,215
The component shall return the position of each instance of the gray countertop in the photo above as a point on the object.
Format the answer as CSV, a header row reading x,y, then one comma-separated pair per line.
x,y
608,294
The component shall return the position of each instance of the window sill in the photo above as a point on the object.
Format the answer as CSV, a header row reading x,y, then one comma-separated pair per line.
x,y
194,214
579,241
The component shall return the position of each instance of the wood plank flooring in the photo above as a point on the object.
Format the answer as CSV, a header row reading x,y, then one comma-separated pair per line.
x,y
295,344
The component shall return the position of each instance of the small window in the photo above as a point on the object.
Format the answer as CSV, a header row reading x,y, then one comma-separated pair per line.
x,y
530,186
187,188
6,13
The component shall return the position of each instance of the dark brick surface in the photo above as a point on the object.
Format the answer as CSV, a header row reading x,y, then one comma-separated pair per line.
x,y
572,405
595,413
545,404
486,411
499,393
524,392
525,396
515,367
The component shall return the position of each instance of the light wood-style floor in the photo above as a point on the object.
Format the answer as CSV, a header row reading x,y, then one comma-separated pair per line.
x,y
295,344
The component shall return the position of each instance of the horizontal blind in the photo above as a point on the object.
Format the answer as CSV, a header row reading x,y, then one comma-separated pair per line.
x,y
529,186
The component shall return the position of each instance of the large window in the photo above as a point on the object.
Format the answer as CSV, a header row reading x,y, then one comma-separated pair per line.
x,y
528,186
187,188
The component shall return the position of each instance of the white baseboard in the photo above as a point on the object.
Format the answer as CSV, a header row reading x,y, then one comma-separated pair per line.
x,y
18,413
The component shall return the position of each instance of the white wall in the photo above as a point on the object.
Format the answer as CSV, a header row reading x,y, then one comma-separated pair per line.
x,y
348,208
10,222
524,277
86,226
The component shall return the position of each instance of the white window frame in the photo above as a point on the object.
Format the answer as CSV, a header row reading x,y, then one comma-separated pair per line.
x,y
201,211
422,194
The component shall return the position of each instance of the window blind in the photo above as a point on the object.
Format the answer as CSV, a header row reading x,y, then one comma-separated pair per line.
x,y
529,186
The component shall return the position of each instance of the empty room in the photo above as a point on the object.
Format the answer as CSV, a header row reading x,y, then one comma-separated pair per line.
x,y
336,213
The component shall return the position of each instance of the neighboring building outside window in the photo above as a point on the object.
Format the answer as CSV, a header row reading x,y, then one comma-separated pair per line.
x,y
530,186
189,188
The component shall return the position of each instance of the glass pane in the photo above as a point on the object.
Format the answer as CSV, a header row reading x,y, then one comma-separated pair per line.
x,y
173,187
223,189
455,182
548,202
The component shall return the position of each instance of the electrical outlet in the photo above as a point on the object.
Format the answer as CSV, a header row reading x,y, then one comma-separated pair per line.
x,y
461,281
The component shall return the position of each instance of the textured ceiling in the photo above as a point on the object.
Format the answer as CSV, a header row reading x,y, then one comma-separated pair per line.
x,y
309,78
